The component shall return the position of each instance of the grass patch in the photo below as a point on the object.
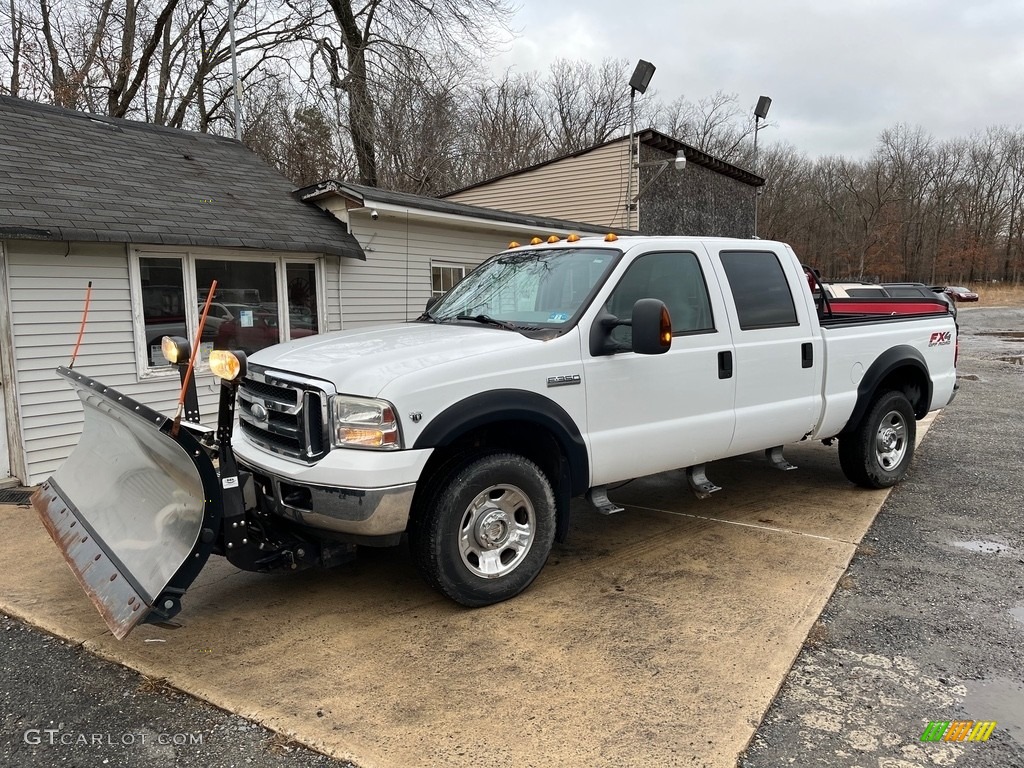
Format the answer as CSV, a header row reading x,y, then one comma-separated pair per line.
x,y
866,550
156,685
279,744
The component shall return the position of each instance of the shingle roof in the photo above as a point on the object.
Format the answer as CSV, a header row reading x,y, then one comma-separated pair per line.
x,y
68,175
370,195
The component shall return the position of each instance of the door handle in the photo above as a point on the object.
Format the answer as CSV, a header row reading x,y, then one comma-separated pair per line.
x,y
725,365
807,355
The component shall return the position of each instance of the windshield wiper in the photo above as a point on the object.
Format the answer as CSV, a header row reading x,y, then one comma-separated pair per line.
x,y
488,320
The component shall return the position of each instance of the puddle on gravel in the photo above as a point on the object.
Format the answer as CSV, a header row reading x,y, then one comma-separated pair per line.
x,y
999,699
1015,359
985,547
1018,613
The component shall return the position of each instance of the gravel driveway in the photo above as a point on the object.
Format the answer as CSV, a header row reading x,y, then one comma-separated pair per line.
x,y
928,623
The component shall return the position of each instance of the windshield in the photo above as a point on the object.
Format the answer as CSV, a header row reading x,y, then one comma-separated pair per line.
x,y
541,288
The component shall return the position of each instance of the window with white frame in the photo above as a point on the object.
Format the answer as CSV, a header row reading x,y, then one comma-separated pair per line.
x,y
258,301
443,277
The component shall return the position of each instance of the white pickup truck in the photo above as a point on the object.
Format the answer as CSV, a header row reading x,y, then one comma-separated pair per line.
x,y
550,372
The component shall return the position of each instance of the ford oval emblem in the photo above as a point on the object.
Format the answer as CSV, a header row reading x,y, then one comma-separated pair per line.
x,y
258,412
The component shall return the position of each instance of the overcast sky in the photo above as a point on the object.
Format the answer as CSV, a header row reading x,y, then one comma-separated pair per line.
x,y
838,71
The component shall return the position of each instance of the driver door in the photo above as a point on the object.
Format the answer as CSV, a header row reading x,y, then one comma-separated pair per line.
x,y
651,413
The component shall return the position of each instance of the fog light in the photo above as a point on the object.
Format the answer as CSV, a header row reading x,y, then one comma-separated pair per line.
x,y
175,349
227,365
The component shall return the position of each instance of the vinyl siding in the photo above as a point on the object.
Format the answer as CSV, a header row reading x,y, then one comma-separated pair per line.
x,y
393,284
47,284
590,187
47,289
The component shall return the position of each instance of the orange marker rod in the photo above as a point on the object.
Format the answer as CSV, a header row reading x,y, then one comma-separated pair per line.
x,y
81,328
192,358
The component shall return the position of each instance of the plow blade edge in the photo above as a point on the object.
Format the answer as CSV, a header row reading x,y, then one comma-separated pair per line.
x,y
134,510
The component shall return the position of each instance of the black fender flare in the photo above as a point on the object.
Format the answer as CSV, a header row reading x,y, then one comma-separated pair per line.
x,y
892,359
512,405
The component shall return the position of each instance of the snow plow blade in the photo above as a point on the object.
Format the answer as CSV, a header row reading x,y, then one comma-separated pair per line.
x,y
134,510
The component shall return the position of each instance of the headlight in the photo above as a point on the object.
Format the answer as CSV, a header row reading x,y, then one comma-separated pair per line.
x,y
358,422
227,365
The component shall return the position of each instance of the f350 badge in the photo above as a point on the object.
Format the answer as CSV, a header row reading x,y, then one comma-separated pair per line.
x,y
939,338
564,381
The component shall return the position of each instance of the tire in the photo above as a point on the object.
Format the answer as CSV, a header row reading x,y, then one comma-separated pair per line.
x,y
486,531
878,451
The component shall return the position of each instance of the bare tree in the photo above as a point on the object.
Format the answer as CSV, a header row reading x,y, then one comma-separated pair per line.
x,y
12,49
373,31
715,124
584,104
784,208
504,130
419,128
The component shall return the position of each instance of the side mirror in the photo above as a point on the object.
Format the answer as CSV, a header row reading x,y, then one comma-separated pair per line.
x,y
431,302
652,327
652,330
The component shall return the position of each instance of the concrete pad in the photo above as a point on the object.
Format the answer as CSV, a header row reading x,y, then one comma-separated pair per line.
x,y
656,636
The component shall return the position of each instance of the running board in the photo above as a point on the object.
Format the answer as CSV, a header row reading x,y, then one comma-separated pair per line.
x,y
699,483
599,498
777,460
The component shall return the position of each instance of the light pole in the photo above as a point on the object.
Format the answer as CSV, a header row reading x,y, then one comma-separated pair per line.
x,y
234,71
760,113
637,83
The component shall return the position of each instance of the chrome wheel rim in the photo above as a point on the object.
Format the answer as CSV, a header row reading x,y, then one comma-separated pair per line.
x,y
891,441
497,531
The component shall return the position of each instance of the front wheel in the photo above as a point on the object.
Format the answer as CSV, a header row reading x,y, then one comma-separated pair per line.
x,y
878,452
487,531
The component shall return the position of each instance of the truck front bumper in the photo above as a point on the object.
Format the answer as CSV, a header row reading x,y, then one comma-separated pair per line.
x,y
339,494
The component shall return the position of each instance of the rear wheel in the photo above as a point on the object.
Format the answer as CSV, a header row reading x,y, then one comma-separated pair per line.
x,y
878,452
486,531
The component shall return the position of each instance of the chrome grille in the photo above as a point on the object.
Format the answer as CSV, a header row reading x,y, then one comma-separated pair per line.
x,y
285,414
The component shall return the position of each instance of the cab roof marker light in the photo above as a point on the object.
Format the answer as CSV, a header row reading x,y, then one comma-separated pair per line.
x,y
572,238
554,239
513,244
536,241
611,237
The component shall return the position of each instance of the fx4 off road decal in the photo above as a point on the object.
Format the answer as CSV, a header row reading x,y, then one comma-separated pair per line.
x,y
939,338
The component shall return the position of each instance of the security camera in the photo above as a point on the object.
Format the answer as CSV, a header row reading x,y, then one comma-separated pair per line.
x,y
374,215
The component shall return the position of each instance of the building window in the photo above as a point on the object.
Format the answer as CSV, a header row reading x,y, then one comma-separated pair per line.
x,y
246,311
246,297
163,304
303,314
443,278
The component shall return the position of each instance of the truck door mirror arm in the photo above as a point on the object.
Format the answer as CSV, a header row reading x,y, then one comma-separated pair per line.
x,y
652,330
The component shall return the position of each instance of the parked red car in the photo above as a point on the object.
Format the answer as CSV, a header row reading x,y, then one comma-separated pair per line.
x,y
959,293
254,328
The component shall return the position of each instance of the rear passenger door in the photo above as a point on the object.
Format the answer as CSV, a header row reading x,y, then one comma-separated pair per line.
x,y
778,352
650,413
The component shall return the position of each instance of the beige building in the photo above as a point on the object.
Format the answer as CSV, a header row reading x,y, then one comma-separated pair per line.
x,y
708,197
